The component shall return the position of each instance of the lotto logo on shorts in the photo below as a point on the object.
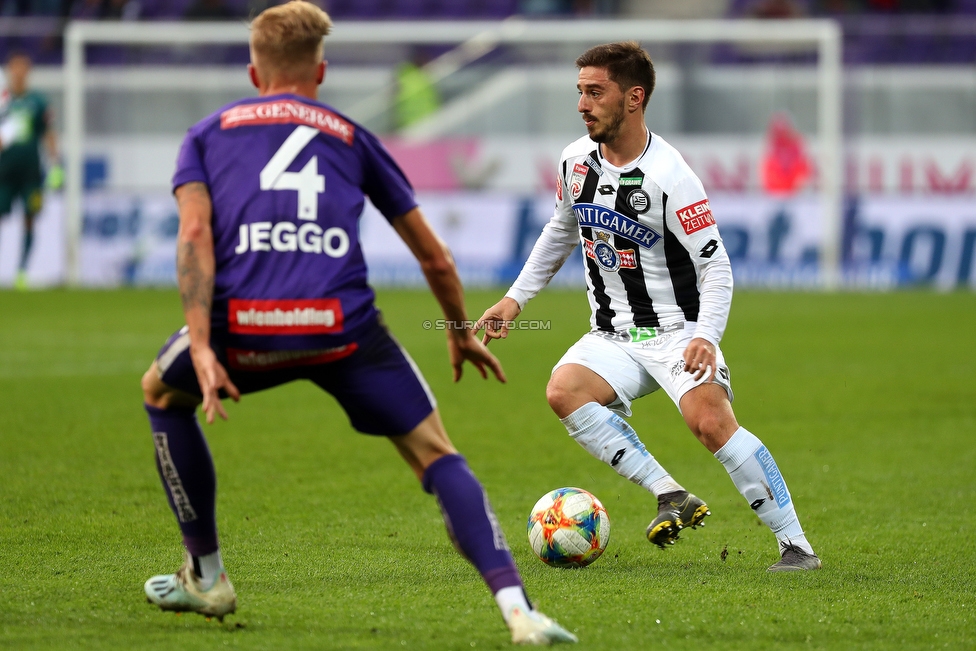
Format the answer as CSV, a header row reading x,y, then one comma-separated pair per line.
x,y
696,217
312,316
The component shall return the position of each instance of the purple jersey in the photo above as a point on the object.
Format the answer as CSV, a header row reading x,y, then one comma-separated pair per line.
x,y
288,178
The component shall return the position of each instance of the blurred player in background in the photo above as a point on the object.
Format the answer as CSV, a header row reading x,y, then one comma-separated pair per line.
x,y
273,283
660,287
4,94
25,122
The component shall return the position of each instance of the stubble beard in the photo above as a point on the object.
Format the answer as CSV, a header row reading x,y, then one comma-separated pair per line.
x,y
612,129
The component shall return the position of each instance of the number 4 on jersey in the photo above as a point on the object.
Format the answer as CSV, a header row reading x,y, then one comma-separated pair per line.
x,y
308,182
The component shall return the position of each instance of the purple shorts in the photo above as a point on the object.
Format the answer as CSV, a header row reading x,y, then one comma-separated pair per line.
x,y
373,378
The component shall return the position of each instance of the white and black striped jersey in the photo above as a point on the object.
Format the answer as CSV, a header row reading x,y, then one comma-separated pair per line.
x,y
652,252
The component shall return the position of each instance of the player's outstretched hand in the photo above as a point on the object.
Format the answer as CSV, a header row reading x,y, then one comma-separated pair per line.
x,y
700,358
464,345
212,377
496,319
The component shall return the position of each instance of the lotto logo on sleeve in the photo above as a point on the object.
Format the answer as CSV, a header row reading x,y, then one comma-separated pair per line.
x,y
696,217
559,188
311,316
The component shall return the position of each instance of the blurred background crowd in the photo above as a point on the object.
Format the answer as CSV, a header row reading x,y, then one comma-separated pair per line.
x,y
380,9
875,31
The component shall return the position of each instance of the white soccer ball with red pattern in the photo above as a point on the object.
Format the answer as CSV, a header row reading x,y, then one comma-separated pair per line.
x,y
568,527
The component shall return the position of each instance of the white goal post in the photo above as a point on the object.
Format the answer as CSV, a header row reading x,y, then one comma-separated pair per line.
x,y
824,35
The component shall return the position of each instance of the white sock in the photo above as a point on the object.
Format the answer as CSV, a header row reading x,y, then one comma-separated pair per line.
x,y
510,598
208,568
610,439
754,472
664,485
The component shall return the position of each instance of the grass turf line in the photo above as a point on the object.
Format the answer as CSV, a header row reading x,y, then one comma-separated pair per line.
x,y
865,399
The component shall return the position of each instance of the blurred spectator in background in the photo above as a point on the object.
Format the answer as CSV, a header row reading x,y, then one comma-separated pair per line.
x,y
908,6
16,7
772,8
668,9
209,10
834,7
102,9
785,165
416,95
569,7
24,125
777,9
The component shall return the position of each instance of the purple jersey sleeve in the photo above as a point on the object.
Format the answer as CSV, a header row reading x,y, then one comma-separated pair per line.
x,y
189,163
384,182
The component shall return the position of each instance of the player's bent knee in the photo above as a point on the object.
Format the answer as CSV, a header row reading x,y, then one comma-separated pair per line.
x,y
157,394
150,387
712,426
558,397
564,400
572,386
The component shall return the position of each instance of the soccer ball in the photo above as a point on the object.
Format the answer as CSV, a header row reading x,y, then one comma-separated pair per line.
x,y
568,527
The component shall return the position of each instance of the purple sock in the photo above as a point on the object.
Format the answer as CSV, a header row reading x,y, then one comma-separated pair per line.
x,y
471,523
186,469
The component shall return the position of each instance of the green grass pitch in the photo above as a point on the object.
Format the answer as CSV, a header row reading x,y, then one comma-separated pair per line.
x,y
868,402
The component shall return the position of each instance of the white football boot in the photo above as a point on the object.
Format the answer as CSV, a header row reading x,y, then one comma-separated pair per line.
x,y
532,627
182,592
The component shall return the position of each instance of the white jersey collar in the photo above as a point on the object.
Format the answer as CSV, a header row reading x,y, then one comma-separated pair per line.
x,y
623,169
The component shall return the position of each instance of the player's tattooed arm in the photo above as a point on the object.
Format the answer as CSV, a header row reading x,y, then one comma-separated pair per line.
x,y
195,262
195,268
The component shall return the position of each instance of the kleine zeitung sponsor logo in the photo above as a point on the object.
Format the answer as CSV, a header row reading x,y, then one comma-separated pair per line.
x,y
696,216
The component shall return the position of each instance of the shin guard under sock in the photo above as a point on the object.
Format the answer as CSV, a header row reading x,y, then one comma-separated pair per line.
x,y
187,472
610,439
755,473
470,521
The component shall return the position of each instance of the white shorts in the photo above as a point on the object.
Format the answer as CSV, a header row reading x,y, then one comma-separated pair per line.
x,y
637,368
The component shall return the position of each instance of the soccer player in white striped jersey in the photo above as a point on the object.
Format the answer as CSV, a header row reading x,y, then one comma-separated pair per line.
x,y
660,288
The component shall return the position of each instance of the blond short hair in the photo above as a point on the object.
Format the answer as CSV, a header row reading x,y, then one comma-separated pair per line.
x,y
287,39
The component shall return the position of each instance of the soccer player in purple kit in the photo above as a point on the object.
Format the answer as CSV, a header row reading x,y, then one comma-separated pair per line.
x,y
273,284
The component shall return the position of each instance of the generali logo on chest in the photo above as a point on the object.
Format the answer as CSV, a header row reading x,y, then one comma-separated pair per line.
x,y
287,111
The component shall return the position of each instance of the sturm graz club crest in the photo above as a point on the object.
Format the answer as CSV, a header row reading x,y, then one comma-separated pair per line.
x,y
606,256
638,201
